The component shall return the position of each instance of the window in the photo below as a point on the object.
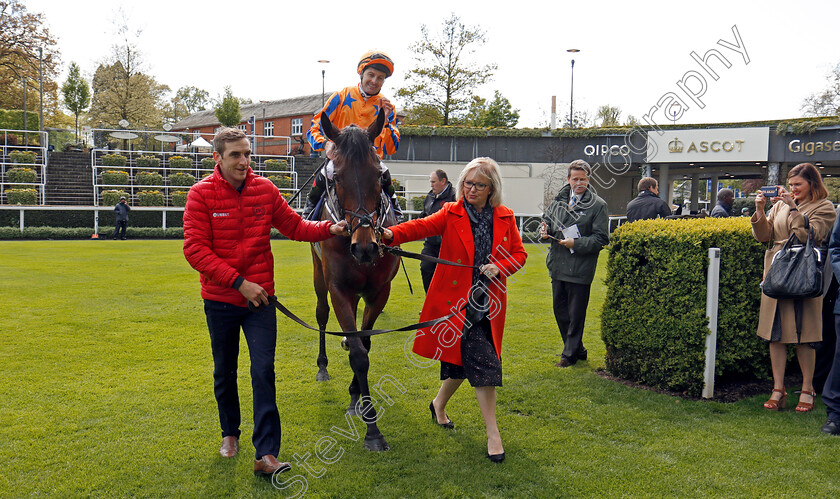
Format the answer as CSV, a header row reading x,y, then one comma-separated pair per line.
x,y
243,127
297,126
268,128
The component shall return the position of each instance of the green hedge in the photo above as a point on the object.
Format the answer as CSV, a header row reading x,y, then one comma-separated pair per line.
x,y
147,162
115,177
654,321
276,165
84,218
22,196
23,176
180,162
208,163
148,178
183,179
178,198
150,198
281,181
105,232
114,160
27,157
417,203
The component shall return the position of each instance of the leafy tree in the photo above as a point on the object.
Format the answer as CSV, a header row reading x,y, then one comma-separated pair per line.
x,y
186,101
121,90
423,114
631,121
22,35
76,94
445,78
826,102
608,115
582,120
227,111
498,113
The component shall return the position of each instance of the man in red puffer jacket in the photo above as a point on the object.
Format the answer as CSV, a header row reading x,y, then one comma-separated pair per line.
x,y
227,224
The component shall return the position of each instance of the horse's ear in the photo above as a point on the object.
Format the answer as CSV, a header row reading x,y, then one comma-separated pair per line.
x,y
375,128
327,127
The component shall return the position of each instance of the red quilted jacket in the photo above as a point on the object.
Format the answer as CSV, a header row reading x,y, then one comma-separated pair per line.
x,y
226,233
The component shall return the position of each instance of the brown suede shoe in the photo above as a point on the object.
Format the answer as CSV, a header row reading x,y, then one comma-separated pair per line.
x,y
230,446
268,465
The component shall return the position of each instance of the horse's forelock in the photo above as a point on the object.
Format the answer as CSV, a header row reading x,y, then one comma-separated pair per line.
x,y
353,147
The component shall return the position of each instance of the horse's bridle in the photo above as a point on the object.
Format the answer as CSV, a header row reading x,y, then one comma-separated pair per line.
x,y
365,218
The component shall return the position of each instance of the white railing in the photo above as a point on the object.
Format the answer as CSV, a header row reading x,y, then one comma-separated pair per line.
x,y
19,140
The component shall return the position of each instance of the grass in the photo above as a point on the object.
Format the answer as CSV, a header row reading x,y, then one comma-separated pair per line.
x,y
107,391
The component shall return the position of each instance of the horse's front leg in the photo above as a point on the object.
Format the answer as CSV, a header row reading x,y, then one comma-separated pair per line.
x,y
322,315
360,363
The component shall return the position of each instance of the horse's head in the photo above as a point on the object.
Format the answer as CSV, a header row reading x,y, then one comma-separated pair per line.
x,y
357,180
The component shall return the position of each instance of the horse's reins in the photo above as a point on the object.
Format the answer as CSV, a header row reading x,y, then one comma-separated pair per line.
x,y
273,301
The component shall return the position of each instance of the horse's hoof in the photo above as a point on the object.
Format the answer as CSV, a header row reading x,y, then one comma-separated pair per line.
x,y
351,411
376,444
344,344
322,375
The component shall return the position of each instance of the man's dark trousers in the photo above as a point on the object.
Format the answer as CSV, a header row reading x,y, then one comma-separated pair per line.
x,y
570,301
119,229
260,328
427,269
831,390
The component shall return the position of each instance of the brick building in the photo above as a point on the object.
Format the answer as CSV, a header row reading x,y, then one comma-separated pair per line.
x,y
273,119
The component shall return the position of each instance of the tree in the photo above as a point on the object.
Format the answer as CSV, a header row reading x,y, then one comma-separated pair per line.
x,y
27,50
444,78
582,120
498,113
76,94
186,101
227,110
423,114
608,115
122,91
827,102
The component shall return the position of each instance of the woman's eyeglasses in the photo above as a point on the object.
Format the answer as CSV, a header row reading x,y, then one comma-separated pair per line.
x,y
478,186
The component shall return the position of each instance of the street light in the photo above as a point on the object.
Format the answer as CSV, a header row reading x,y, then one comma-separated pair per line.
x,y
323,89
572,100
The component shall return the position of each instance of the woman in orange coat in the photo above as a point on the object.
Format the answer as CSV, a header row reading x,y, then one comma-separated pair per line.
x,y
477,231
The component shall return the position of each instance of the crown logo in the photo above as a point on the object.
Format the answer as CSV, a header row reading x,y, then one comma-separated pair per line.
x,y
675,145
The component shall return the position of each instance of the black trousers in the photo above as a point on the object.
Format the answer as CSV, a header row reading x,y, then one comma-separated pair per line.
x,y
120,228
260,328
831,389
570,301
427,269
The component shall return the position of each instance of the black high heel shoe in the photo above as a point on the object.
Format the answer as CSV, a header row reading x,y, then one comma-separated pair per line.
x,y
449,424
496,458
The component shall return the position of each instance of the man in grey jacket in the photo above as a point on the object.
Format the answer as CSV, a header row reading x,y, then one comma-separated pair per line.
x,y
121,209
578,224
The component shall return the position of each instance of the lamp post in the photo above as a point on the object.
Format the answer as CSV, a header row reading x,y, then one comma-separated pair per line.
x,y
323,88
572,99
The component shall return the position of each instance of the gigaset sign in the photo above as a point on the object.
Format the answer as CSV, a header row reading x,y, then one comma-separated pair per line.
x,y
809,148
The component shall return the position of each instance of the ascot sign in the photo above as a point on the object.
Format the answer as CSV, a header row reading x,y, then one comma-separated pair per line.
x,y
708,145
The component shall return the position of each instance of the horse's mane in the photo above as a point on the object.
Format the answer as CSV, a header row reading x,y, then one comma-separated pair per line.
x,y
353,148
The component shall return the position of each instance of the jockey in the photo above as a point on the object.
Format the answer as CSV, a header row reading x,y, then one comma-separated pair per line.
x,y
358,105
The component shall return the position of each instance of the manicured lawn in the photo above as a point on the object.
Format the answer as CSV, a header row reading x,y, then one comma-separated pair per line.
x,y
107,391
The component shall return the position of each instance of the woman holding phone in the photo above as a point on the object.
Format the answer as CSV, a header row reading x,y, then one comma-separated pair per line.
x,y
798,322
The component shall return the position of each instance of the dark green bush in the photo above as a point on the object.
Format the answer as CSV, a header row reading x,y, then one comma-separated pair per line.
x,y
147,162
149,178
85,218
208,163
150,198
114,160
184,179
276,165
111,197
180,162
281,181
417,203
654,321
402,201
23,176
115,177
178,198
27,157
22,196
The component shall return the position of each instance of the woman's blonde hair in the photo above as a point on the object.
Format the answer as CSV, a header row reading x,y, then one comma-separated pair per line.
x,y
488,168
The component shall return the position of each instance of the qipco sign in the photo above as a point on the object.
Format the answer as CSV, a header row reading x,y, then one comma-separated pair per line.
x,y
601,150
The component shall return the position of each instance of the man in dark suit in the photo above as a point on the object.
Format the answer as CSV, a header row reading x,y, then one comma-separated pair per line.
x,y
440,194
647,204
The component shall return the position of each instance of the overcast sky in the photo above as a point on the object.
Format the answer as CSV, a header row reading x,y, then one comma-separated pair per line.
x,y
631,53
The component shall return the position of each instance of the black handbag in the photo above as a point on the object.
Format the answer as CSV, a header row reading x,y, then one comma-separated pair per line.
x,y
796,271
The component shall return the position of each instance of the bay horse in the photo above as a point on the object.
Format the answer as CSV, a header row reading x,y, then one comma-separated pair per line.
x,y
350,268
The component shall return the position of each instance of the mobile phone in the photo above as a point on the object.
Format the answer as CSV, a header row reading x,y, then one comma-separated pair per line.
x,y
770,191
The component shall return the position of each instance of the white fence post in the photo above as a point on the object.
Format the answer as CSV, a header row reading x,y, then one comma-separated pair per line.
x,y
712,286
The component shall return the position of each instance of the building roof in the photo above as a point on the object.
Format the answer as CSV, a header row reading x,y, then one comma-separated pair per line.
x,y
296,106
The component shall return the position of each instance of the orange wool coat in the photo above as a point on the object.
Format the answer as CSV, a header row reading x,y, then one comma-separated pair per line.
x,y
450,286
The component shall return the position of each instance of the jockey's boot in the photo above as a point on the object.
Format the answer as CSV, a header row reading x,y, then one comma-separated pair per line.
x,y
307,210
